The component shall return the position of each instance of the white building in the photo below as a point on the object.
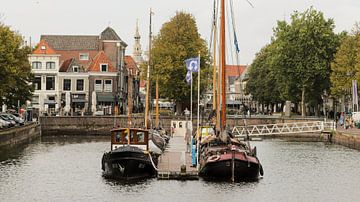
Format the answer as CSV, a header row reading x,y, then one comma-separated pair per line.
x,y
45,67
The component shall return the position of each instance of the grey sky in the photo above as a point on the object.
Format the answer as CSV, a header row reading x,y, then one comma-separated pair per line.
x,y
254,25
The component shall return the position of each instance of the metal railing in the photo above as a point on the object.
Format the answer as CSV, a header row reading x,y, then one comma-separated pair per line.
x,y
283,128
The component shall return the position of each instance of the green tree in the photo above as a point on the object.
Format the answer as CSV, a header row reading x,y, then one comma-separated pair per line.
x,y
15,71
177,41
261,83
346,65
305,49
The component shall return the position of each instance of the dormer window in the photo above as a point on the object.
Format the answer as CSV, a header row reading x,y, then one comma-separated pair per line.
x,y
104,67
75,68
43,47
84,56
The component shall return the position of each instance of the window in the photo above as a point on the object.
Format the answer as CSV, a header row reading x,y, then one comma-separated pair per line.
x,y
36,65
80,84
50,83
43,47
35,99
75,68
67,84
37,83
98,85
84,56
104,67
50,65
108,86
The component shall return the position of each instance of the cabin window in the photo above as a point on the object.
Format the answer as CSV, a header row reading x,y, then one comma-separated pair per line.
x,y
126,136
118,137
132,136
140,137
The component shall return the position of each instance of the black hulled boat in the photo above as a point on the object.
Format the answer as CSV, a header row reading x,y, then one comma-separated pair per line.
x,y
129,157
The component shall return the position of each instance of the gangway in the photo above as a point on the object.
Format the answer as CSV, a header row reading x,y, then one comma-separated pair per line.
x,y
283,128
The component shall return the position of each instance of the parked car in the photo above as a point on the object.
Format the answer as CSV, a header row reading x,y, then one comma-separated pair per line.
x,y
18,120
6,119
4,124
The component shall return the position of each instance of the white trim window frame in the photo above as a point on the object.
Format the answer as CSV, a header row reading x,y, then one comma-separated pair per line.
x,y
83,56
108,85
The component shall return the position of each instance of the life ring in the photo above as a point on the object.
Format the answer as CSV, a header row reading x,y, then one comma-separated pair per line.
x,y
213,158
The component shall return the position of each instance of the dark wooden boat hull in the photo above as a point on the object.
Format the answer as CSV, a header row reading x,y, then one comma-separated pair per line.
x,y
222,169
128,163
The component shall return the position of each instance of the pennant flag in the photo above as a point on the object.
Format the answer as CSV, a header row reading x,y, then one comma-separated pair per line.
x,y
236,43
192,64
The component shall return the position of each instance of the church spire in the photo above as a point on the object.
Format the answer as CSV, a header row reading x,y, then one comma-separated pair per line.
x,y
137,46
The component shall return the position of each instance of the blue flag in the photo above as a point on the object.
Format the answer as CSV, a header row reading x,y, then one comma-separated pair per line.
x,y
188,77
192,64
236,43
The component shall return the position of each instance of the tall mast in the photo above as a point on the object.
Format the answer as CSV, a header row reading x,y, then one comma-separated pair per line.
x,y
130,99
157,103
223,66
148,79
214,71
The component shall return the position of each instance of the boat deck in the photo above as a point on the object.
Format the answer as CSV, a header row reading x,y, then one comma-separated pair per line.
x,y
173,161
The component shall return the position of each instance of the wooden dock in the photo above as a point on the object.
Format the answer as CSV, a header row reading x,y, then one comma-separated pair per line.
x,y
175,162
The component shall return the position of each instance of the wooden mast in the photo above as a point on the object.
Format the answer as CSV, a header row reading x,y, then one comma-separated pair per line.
x,y
130,99
223,66
157,103
148,79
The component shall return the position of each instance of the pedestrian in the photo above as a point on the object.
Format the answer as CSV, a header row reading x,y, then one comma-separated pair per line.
x,y
341,119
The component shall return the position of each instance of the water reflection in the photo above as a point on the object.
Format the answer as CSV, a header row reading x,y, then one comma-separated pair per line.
x,y
69,169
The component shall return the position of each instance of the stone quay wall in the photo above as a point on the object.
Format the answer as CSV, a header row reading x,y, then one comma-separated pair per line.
x,y
348,140
19,135
101,125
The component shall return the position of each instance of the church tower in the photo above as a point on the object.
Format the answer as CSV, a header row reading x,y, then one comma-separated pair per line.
x,y
137,54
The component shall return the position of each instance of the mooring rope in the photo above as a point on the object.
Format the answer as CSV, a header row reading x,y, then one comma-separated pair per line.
x,y
152,162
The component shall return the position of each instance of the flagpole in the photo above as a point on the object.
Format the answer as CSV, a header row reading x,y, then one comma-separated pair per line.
x,y
198,116
191,94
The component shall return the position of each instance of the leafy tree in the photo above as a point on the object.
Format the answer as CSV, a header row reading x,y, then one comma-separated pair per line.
x,y
346,65
177,41
261,83
15,71
305,49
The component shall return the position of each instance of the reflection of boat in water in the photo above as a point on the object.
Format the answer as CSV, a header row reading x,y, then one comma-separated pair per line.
x,y
129,158
226,159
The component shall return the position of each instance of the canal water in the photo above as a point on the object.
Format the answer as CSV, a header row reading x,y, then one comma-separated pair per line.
x,y
58,169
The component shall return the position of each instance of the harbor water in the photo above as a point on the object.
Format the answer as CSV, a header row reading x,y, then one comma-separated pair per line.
x,y
69,169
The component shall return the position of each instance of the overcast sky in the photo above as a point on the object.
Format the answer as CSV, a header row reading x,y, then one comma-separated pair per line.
x,y
254,25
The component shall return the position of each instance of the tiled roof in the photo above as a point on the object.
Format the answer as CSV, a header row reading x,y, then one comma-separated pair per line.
x,y
109,34
130,64
72,42
44,48
65,65
100,58
235,70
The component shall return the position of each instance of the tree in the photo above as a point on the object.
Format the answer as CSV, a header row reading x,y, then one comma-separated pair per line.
x,y
305,49
15,70
177,41
346,65
261,83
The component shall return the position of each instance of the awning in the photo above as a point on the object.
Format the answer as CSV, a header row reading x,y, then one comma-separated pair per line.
x,y
49,102
105,97
78,100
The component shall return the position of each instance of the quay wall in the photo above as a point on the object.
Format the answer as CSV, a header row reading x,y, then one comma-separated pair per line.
x,y
348,140
19,135
101,125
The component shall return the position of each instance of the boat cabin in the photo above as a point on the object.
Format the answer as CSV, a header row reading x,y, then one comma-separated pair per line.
x,y
130,136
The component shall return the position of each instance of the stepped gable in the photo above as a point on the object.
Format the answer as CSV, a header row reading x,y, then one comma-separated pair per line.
x,y
44,48
100,58
72,42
